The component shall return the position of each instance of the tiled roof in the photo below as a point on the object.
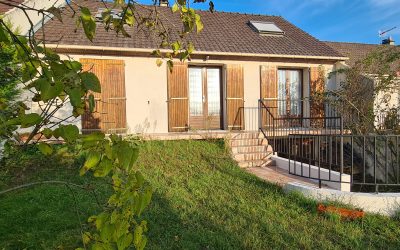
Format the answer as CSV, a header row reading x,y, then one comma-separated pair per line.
x,y
4,8
223,32
354,51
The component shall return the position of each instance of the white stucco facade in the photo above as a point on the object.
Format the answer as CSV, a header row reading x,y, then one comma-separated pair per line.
x,y
146,88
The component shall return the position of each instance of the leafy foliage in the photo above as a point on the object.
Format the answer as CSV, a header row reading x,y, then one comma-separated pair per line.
x,y
55,83
361,97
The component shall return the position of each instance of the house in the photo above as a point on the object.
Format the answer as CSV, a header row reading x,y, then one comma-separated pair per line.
x,y
239,60
385,100
19,18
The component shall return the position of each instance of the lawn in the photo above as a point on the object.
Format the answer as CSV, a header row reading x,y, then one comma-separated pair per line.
x,y
203,200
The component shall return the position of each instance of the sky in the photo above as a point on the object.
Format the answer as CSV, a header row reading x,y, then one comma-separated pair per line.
x,y
327,20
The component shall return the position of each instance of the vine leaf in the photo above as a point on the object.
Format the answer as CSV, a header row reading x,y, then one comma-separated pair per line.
x,y
92,160
29,120
45,148
88,23
91,82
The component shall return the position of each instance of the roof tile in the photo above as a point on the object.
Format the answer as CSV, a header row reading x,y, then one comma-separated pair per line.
x,y
223,32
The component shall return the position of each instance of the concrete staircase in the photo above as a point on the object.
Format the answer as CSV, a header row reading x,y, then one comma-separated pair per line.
x,y
251,149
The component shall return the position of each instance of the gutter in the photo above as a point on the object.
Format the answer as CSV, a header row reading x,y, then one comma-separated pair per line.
x,y
205,53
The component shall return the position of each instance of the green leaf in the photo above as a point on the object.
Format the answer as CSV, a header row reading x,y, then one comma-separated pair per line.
x,y
190,48
175,7
48,133
92,160
124,154
159,62
49,92
135,156
92,103
124,241
70,133
176,46
14,121
30,120
104,168
199,23
88,23
75,97
91,82
106,232
86,237
139,240
29,70
3,37
95,136
86,14
45,148
74,65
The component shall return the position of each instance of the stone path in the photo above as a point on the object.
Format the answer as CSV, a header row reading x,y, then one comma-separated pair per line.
x,y
278,176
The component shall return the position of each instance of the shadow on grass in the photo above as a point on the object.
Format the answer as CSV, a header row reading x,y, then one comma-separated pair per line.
x,y
173,228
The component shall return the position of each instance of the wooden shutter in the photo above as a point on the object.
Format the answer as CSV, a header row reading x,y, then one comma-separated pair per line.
x,y
110,113
178,101
269,91
317,86
235,97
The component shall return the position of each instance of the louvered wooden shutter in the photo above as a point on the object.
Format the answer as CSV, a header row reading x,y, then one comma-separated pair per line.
x,y
235,97
269,92
178,101
317,86
110,112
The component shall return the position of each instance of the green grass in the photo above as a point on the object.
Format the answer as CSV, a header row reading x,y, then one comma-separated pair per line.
x,y
202,200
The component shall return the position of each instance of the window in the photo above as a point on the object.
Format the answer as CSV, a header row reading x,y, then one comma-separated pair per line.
x,y
289,92
266,28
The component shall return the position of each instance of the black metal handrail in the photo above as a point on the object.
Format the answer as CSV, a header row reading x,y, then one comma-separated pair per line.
x,y
371,162
280,118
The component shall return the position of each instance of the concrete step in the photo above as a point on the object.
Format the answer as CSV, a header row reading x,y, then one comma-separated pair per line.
x,y
249,135
251,149
252,156
248,142
259,163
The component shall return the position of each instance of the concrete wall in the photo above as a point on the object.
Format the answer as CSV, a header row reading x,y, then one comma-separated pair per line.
x,y
146,89
310,171
19,19
387,204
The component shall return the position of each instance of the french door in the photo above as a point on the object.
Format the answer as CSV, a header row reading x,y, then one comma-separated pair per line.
x,y
290,93
205,98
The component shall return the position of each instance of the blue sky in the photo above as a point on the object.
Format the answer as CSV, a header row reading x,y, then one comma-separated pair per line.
x,y
334,20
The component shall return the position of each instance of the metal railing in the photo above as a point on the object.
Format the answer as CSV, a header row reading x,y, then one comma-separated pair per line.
x,y
280,118
312,137
370,163
246,119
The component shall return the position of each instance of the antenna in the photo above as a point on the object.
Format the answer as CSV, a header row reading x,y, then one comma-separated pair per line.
x,y
383,33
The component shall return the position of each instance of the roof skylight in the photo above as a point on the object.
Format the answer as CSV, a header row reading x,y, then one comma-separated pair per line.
x,y
115,14
266,28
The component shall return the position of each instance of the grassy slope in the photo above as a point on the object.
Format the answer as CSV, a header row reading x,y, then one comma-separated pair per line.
x,y
202,200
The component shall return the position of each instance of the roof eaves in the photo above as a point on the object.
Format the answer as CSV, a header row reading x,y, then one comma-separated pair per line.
x,y
124,49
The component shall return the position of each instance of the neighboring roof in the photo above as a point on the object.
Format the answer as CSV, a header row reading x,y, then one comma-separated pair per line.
x,y
223,33
354,51
4,8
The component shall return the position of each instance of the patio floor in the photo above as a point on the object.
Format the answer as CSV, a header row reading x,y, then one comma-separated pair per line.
x,y
278,176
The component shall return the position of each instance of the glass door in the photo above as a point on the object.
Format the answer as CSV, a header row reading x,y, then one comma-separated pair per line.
x,y
289,93
205,98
